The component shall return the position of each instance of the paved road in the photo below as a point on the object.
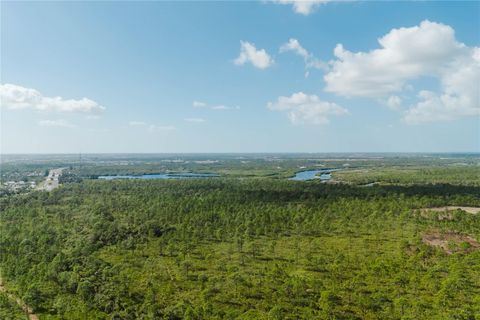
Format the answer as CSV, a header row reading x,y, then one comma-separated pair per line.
x,y
52,180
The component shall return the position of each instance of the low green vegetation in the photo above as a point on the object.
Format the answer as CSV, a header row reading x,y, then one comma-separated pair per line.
x,y
9,309
240,249
463,174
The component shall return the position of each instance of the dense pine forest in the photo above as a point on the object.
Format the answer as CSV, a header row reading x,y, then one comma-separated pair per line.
x,y
249,248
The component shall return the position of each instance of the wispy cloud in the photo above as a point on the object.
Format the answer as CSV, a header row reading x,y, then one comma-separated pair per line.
x,y
137,123
218,107
222,107
151,127
56,123
293,45
196,120
154,128
16,97
199,104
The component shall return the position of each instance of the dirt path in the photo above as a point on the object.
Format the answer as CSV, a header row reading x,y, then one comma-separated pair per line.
x,y
28,311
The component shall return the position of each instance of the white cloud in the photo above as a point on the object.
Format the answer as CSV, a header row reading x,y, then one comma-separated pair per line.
x,y
198,104
304,7
17,97
394,102
219,107
222,107
460,96
294,45
258,58
137,124
56,123
302,108
407,54
196,120
151,127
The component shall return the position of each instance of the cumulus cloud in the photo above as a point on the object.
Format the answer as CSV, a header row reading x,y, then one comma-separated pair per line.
x,y
16,97
302,108
406,54
258,58
196,120
293,45
460,96
304,7
56,123
394,102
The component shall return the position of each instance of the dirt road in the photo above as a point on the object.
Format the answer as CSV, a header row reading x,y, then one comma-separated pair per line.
x,y
28,311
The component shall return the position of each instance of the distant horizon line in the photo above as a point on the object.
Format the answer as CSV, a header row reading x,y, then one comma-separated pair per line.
x,y
247,152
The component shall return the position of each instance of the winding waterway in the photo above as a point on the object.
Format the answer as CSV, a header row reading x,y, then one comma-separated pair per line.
x,y
183,175
322,174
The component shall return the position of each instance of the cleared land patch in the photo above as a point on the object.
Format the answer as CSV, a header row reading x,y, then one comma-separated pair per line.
x,y
445,213
472,210
450,242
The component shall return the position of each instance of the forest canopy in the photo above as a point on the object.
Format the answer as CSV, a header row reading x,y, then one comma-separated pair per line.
x,y
240,249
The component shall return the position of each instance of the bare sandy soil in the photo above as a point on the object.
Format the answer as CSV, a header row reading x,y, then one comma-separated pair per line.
x,y
472,210
450,242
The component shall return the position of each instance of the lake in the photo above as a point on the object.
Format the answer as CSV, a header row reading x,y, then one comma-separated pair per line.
x,y
185,175
325,175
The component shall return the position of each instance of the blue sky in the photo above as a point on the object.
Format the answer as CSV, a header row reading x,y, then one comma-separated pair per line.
x,y
240,77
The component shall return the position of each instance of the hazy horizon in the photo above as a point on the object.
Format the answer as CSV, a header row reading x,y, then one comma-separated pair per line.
x,y
252,153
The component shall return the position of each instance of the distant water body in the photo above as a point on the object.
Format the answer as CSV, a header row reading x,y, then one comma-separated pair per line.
x,y
322,174
186,175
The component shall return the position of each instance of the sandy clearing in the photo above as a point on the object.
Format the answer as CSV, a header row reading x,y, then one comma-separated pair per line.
x,y
471,210
444,241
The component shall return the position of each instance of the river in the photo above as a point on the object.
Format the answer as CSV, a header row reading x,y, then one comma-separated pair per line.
x,y
322,174
183,175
